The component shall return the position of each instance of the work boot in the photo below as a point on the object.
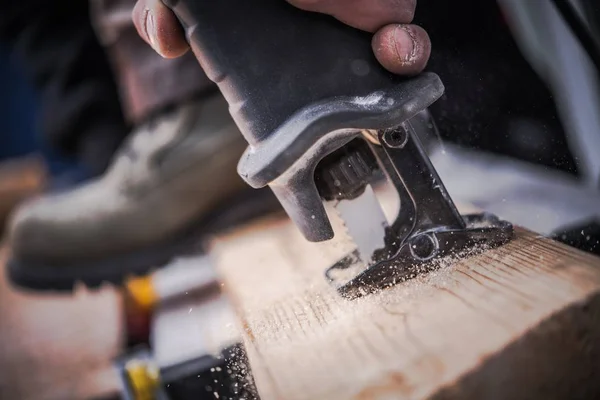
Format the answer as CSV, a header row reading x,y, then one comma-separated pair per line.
x,y
172,172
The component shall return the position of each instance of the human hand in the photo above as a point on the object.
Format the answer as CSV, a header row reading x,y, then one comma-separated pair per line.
x,y
400,47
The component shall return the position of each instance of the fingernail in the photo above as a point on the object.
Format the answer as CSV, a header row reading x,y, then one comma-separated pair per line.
x,y
150,27
405,43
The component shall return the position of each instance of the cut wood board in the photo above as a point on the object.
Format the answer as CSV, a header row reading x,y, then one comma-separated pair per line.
x,y
520,321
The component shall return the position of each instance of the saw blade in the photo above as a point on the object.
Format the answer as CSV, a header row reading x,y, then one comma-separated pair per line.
x,y
365,222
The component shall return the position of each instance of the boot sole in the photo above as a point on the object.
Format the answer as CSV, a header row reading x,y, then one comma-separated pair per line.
x,y
115,270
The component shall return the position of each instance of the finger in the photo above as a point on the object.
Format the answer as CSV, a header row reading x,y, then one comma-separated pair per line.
x,y
368,15
402,49
158,26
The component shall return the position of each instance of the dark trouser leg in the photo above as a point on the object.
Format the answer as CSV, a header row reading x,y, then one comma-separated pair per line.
x,y
80,112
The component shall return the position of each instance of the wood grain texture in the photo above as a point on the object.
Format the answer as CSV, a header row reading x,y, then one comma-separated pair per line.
x,y
512,322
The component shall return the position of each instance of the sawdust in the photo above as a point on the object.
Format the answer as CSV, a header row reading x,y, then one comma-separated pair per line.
x,y
370,100
242,383
327,306
397,273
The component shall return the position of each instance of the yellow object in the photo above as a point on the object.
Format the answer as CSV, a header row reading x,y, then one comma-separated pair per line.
x,y
142,291
144,379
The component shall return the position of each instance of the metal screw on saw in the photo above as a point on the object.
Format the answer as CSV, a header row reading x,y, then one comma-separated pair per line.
x,y
424,247
395,138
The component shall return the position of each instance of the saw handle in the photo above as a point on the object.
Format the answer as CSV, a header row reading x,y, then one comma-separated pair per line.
x,y
271,59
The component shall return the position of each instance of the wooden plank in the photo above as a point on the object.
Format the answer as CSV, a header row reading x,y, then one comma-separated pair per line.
x,y
520,321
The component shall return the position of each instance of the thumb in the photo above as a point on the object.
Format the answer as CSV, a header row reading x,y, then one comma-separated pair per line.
x,y
402,49
158,26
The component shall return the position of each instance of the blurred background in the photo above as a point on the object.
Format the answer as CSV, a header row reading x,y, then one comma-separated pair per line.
x,y
51,346
519,135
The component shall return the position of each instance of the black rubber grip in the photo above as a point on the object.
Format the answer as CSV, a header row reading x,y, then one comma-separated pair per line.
x,y
271,59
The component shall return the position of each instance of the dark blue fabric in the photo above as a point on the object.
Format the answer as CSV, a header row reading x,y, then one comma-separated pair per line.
x,y
18,133
17,111
79,111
